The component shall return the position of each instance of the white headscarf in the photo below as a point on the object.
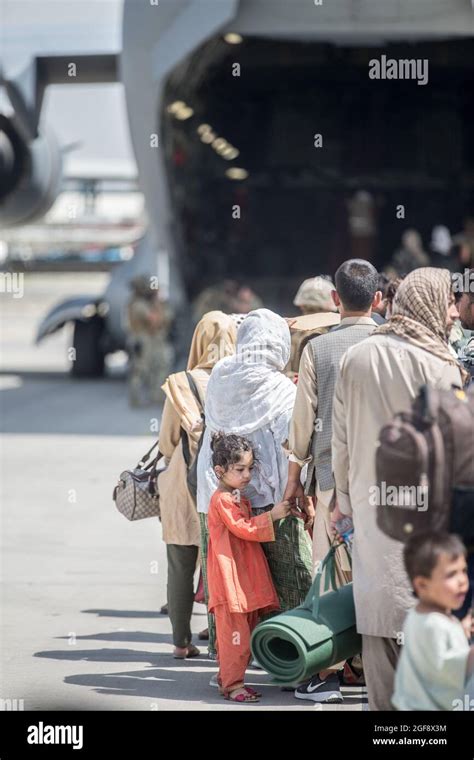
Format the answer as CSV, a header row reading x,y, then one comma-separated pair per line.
x,y
248,395
248,390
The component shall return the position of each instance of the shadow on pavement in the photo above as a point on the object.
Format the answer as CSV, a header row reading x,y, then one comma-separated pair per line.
x,y
169,679
134,613
126,613
150,638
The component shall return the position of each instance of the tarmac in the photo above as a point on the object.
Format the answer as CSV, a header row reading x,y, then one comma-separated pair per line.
x,y
81,586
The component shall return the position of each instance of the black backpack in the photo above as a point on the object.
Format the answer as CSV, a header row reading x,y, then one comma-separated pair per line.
x,y
425,467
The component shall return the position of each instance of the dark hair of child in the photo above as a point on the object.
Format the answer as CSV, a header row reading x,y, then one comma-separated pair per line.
x,y
228,449
423,550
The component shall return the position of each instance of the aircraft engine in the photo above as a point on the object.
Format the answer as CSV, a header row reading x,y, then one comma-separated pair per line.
x,y
30,174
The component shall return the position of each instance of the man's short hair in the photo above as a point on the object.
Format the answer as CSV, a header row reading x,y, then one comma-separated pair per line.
x,y
356,284
423,550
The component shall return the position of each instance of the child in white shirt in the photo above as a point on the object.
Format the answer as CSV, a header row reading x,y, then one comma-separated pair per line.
x,y
436,663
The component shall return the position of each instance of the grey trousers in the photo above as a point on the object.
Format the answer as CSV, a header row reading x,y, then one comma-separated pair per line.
x,y
181,568
380,657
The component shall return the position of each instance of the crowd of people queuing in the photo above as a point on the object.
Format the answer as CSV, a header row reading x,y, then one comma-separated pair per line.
x,y
282,418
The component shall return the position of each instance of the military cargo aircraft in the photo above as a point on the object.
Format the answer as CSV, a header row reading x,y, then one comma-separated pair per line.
x,y
273,139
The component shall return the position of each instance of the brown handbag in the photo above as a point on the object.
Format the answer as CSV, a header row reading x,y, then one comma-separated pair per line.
x,y
136,494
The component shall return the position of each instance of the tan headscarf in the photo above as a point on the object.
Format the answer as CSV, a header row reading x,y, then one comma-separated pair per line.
x,y
419,312
214,338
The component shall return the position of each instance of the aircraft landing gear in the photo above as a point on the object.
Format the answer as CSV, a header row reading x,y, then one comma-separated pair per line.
x,y
89,358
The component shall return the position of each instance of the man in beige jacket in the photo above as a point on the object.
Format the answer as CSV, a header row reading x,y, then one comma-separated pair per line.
x,y
356,295
379,377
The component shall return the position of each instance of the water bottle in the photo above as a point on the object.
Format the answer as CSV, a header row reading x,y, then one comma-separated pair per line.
x,y
345,528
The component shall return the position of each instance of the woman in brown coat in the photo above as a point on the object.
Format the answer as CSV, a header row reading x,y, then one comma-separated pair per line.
x,y
214,338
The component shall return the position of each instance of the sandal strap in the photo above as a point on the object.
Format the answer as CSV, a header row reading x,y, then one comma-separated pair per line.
x,y
242,697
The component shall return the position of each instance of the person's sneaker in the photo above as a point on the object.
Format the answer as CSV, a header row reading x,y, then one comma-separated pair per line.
x,y
214,682
320,691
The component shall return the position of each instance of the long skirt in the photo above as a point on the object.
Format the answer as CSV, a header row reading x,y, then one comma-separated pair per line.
x,y
289,559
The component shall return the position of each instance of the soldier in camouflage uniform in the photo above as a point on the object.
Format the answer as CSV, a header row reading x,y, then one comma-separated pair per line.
x,y
149,349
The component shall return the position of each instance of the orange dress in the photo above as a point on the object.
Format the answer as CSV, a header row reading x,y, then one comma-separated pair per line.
x,y
240,584
238,573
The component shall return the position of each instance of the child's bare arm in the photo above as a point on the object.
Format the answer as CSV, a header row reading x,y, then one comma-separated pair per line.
x,y
280,510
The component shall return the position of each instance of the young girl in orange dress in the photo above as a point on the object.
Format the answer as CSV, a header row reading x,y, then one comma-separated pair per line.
x,y
240,584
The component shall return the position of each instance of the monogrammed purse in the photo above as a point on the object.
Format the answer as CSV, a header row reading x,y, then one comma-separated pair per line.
x,y
136,493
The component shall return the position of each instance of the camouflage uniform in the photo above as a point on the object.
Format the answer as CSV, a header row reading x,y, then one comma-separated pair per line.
x,y
149,349
463,346
466,357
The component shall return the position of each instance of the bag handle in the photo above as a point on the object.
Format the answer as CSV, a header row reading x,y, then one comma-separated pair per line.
x,y
311,603
146,456
152,478
153,465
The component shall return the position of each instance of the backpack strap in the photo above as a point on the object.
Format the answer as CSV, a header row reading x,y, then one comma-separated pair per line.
x,y
195,391
430,408
184,435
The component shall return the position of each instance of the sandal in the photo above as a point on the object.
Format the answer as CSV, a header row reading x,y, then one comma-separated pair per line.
x,y
183,653
252,691
217,683
241,696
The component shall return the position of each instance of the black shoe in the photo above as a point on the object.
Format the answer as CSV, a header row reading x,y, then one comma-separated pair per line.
x,y
320,691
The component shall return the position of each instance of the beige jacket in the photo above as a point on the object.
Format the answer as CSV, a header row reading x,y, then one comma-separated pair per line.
x,y
179,518
379,377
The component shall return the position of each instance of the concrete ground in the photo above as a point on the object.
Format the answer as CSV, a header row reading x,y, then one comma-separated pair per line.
x,y
82,587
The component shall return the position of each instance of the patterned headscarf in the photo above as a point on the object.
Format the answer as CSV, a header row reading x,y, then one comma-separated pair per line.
x,y
419,312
